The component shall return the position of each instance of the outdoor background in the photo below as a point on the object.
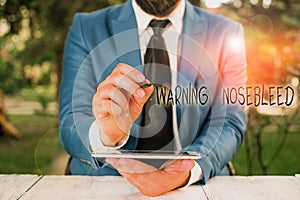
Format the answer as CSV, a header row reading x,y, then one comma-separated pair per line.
x,y
32,35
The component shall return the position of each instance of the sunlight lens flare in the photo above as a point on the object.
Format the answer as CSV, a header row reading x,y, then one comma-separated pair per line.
x,y
215,3
236,43
212,3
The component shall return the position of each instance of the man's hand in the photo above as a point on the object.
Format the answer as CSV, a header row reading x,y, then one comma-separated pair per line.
x,y
118,102
151,181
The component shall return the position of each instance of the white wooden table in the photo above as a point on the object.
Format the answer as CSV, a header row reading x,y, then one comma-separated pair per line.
x,y
33,187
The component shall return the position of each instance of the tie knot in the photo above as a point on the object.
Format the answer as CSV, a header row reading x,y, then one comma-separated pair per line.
x,y
158,25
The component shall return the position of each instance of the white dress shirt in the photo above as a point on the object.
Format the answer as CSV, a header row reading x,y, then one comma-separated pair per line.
x,y
172,37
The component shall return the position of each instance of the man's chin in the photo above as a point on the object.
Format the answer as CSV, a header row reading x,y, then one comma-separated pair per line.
x,y
159,8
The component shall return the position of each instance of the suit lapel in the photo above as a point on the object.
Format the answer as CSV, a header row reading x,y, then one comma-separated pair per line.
x,y
125,36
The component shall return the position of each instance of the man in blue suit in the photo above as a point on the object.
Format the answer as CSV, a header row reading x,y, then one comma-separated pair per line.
x,y
101,102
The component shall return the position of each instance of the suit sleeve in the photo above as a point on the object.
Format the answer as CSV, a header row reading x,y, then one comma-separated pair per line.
x,y
75,96
222,133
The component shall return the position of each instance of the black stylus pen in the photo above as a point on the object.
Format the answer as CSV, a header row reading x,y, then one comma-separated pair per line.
x,y
144,84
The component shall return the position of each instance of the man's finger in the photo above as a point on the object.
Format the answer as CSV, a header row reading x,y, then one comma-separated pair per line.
x,y
126,83
105,108
113,93
152,184
130,165
179,166
139,102
130,72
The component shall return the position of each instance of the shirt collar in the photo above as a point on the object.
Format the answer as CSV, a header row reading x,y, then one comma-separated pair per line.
x,y
143,19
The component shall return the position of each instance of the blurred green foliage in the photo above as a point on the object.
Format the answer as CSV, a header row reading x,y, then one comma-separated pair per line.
x,y
32,34
9,83
37,149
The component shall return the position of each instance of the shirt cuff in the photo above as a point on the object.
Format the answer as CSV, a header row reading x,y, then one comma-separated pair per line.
x,y
196,175
95,141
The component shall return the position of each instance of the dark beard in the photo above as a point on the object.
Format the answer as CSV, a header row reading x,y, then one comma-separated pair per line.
x,y
159,8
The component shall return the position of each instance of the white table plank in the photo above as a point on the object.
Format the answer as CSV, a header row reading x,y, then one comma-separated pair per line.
x,y
255,187
14,186
84,187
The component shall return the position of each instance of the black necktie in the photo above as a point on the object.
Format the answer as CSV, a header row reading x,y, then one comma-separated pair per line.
x,y
157,133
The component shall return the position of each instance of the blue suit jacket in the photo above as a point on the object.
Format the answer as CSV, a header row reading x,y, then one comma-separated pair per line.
x,y
209,57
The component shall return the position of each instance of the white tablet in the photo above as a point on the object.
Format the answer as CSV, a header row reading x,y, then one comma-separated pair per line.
x,y
142,154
